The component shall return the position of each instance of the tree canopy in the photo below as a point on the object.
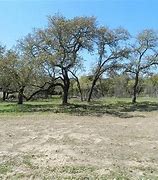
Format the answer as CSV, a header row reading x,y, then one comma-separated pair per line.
x,y
47,60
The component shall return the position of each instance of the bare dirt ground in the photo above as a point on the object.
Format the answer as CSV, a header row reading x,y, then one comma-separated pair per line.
x,y
59,146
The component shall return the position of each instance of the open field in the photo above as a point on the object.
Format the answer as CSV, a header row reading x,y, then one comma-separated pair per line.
x,y
62,146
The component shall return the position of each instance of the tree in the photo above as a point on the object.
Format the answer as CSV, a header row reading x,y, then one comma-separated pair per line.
x,y
3,75
28,73
110,50
60,44
143,57
23,67
7,63
23,75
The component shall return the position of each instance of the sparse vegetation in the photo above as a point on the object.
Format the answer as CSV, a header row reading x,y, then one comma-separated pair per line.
x,y
120,107
58,122
61,146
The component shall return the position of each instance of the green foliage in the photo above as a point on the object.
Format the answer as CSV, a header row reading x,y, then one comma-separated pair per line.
x,y
46,61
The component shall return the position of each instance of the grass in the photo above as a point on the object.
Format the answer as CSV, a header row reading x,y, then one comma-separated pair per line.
x,y
24,166
115,106
68,172
6,167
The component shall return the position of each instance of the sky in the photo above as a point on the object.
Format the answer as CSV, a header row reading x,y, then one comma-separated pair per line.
x,y
19,17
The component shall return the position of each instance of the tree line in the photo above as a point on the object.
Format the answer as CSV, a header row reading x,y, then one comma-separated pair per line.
x,y
51,60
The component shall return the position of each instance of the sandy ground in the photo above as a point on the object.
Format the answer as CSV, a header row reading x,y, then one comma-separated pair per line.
x,y
59,146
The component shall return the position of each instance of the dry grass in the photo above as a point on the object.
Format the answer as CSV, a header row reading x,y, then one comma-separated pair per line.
x,y
59,146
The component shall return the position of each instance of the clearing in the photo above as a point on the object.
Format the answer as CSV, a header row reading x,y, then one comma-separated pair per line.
x,y
62,146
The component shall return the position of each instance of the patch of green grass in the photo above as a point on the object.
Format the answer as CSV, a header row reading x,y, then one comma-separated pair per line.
x,y
148,177
28,163
5,167
119,107
67,172
18,176
74,169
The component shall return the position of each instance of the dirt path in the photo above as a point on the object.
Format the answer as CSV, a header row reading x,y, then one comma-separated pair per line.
x,y
58,146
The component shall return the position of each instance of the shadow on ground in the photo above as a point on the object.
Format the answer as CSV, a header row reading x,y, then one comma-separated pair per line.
x,y
120,108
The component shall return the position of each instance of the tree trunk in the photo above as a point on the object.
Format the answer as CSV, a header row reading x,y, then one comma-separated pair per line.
x,y
135,88
66,87
78,85
4,95
20,95
79,88
7,95
91,90
65,95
